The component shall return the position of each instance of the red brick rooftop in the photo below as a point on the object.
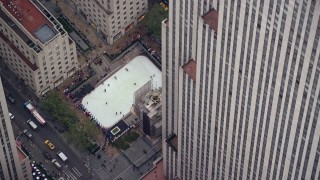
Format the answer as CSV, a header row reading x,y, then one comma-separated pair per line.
x,y
21,155
156,173
212,18
29,16
191,69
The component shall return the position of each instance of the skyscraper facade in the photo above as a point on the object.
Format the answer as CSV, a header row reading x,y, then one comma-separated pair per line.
x,y
12,166
241,89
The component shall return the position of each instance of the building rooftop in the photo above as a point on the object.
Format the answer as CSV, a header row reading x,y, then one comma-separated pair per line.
x,y
31,18
212,18
155,173
191,69
21,155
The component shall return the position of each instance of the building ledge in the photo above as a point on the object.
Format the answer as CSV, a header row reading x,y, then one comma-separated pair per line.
x,y
212,18
16,50
191,69
102,6
172,141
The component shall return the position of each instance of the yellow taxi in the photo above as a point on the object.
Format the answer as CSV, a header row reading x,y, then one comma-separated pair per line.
x,y
49,144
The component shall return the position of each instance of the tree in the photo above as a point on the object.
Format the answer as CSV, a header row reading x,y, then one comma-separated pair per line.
x,y
153,19
91,129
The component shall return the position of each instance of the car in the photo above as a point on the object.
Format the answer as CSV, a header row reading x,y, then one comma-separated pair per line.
x,y
47,155
11,116
10,98
49,144
56,163
28,134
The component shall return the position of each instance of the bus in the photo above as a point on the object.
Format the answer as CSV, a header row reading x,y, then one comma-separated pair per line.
x,y
35,113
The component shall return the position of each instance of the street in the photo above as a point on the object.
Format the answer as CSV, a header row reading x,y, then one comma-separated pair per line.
x,y
73,169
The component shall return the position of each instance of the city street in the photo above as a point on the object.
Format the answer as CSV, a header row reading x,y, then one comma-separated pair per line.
x,y
73,169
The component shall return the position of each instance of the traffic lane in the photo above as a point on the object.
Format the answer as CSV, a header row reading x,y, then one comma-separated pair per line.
x,y
35,145
36,154
46,132
20,115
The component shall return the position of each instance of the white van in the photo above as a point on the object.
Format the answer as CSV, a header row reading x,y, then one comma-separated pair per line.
x,y
62,156
32,124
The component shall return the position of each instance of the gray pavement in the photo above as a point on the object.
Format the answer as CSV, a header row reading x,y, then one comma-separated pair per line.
x,y
138,150
122,165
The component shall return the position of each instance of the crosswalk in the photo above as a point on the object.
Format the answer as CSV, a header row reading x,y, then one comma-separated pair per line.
x,y
72,174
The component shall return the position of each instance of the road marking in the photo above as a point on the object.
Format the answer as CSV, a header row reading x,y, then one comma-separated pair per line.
x,y
75,170
73,176
69,175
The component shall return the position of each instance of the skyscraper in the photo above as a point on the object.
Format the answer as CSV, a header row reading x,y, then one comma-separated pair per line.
x,y
13,163
241,89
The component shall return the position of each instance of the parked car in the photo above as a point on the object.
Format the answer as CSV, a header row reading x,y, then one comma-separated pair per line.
x,y
11,116
10,98
47,155
56,163
49,144
28,134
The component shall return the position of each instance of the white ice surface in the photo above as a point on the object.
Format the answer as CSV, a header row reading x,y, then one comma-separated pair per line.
x,y
119,95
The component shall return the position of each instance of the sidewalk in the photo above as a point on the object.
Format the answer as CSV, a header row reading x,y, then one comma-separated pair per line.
x,y
25,91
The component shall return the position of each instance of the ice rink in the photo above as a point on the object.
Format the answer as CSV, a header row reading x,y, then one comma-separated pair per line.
x,y
114,97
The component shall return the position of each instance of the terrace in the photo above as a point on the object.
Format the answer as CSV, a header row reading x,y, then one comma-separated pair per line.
x,y
212,18
191,69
